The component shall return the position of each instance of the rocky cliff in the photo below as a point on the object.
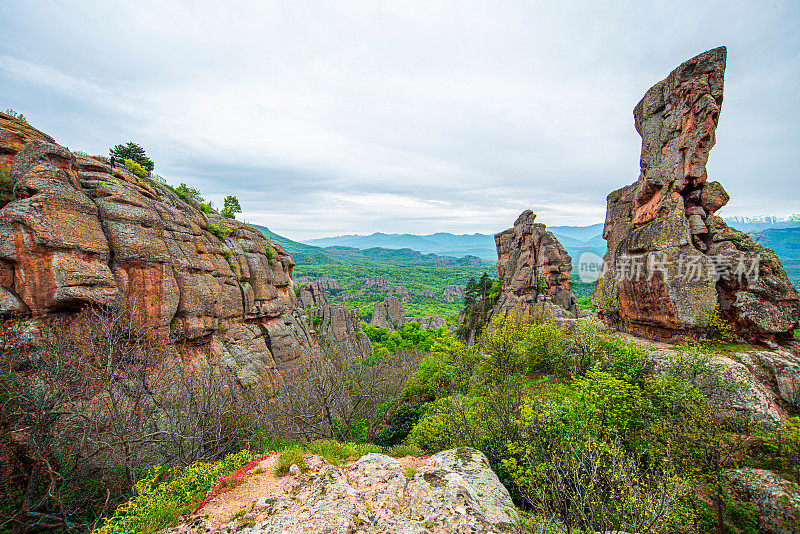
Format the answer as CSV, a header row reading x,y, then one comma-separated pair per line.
x,y
78,232
671,260
334,322
534,268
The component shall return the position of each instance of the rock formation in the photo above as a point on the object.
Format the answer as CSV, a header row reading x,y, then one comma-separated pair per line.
x,y
79,232
777,500
535,269
391,315
671,259
453,491
334,322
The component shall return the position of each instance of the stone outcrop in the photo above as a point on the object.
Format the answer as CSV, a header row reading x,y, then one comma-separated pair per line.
x,y
777,500
391,315
79,232
671,259
334,322
535,270
454,492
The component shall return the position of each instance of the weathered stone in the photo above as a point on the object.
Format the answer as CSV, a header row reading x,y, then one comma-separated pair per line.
x,y
337,323
778,500
665,273
388,314
534,267
80,233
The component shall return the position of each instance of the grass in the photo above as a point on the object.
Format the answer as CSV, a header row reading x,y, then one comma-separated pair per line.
x,y
399,451
220,231
289,457
338,453
227,255
410,472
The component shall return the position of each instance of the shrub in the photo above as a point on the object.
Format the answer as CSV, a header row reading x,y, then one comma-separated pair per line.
x,y
220,231
401,451
289,457
338,453
270,252
6,186
403,420
18,116
230,207
227,255
134,152
136,169
165,494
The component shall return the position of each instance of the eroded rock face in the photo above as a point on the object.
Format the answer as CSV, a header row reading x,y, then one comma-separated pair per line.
x,y
79,232
778,500
671,260
535,269
377,495
334,322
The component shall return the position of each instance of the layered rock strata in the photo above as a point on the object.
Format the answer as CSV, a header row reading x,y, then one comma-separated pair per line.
x,y
80,233
535,270
671,260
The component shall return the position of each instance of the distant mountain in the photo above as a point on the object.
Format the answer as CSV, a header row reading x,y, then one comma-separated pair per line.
x,y
310,255
481,245
786,244
576,239
758,224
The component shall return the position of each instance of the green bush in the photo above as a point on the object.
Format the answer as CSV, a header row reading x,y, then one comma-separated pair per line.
x,y
18,116
337,453
403,420
227,255
165,494
401,451
270,252
6,186
136,169
289,457
220,231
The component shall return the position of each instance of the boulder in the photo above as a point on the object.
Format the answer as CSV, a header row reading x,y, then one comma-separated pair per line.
x,y
457,493
671,262
778,500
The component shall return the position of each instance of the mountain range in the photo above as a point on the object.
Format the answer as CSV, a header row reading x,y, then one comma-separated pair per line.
x,y
780,233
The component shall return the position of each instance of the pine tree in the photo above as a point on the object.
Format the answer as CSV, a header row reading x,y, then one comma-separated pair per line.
x,y
131,150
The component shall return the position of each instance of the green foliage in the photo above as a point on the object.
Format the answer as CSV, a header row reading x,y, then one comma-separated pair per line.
x,y
270,252
18,116
164,495
190,195
220,231
6,186
401,451
410,472
337,453
134,152
289,457
228,258
715,328
230,207
403,420
409,336
136,169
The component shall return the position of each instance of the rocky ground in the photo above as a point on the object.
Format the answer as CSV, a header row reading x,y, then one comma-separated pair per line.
x,y
453,491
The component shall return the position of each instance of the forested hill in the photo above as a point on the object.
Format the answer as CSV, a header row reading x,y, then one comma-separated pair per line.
x,y
424,282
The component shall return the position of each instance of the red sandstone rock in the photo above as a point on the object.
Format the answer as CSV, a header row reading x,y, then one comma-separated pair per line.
x,y
689,261
81,233
534,267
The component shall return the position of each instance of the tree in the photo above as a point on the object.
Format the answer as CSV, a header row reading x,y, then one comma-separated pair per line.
x,y
188,193
230,207
131,150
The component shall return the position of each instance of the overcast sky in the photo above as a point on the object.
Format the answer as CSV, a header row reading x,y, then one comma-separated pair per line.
x,y
355,117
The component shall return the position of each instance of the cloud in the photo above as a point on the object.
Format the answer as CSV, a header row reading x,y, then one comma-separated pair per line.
x,y
354,117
